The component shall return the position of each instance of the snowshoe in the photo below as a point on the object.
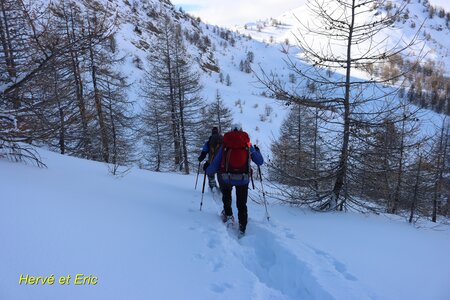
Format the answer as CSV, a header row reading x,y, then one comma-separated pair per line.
x,y
223,216
241,230
228,220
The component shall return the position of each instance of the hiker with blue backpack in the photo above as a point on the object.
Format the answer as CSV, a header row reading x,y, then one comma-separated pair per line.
x,y
232,164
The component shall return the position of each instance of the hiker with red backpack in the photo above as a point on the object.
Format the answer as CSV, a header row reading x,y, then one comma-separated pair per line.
x,y
210,148
232,163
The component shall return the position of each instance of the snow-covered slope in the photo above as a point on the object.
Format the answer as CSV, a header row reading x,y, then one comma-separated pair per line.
x,y
142,236
137,25
433,36
226,50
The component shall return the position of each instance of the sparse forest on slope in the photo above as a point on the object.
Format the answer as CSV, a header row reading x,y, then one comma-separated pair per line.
x,y
354,94
427,83
138,82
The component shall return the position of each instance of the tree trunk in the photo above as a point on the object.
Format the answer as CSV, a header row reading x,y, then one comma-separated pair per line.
x,y
439,170
62,129
5,48
5,36
416,189
386,173
181,102
7,44
173,108
316,129
183,133
98,106
398,186
70,31
114,134
299,141
343,160
159,143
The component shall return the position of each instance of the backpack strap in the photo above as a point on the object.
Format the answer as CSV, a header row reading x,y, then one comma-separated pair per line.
x,y
248,158
227,159
212,152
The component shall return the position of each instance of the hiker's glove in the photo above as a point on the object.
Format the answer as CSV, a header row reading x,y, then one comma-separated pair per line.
x,y
202,156
205,166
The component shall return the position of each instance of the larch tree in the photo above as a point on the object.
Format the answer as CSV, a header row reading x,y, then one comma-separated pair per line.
x,y
298,156
441,171
23,57
343,35
107,87
216,114
174,86
187,89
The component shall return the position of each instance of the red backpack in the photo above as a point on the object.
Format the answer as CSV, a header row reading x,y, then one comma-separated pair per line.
x,y
235,156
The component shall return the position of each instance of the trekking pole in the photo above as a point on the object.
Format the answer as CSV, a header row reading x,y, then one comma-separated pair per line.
x,y
198,172
264,194
250,171
203,190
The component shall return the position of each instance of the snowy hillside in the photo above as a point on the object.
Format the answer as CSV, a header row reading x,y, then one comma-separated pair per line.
x,y
223,55
138,23
143,237
434,35
218,53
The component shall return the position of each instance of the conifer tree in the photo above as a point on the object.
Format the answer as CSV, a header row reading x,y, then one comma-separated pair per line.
x,y
298,154
339,25
174,83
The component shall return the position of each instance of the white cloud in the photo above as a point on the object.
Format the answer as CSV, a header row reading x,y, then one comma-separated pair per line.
x,y
238,12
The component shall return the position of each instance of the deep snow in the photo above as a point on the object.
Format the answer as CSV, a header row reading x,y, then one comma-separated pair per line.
x,y
144,237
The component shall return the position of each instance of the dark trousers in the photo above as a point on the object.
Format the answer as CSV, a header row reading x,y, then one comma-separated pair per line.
x,y
241,201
